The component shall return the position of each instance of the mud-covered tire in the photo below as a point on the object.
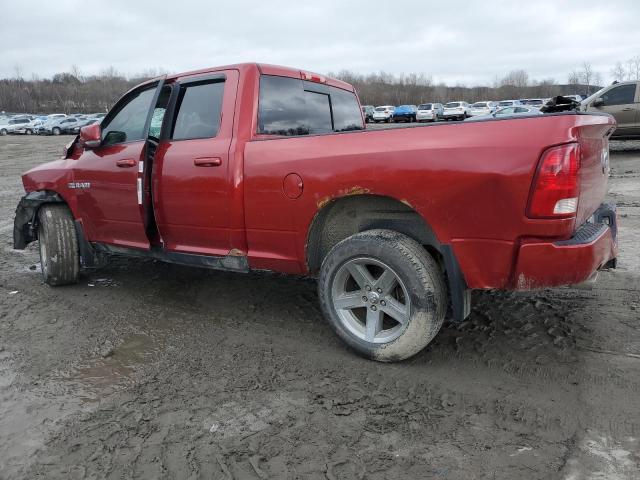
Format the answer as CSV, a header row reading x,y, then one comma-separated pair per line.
x,y
58,242
419,278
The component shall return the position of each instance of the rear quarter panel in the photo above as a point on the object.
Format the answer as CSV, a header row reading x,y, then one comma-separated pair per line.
x,y
469,181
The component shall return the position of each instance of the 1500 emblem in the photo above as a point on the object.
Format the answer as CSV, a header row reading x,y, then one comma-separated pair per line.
x,y
79,185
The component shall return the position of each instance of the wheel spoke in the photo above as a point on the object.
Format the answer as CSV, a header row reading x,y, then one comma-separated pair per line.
x,y
396,310
361,275
374,324
386,282
349,300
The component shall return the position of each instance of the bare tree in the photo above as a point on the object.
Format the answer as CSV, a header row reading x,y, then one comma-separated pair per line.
x,y
634,68
618,72
586,75
573,78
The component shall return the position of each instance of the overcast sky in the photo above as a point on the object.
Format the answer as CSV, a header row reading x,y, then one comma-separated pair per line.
x,y
467,42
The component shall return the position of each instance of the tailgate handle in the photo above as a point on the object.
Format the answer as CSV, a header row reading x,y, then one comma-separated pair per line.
x,y
126,163
207,162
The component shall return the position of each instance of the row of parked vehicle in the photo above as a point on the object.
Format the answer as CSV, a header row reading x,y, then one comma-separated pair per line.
x,y
459,110
54,124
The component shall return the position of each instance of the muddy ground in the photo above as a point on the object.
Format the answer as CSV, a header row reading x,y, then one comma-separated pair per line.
x,y
146,370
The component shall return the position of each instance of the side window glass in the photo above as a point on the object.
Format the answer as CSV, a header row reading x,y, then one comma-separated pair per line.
x,y
285,108
127,125
346,114
622,95
198,111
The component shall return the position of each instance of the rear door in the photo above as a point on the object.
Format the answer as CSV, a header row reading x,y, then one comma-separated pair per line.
x,y
191,189
108,178
622,102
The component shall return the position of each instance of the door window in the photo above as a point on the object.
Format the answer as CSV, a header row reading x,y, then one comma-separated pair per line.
x,y
127,124
198,111
622,95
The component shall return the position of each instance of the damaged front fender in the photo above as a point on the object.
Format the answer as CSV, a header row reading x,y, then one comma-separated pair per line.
x,y
24,223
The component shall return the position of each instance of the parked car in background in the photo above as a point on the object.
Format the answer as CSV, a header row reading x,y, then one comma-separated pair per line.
x,y
383,113
622,100
57,125
405,113
482,108
456,111
508,103
75,129
31,128
508,112
97,115
534,102
367,111
12,125
429,112
577,98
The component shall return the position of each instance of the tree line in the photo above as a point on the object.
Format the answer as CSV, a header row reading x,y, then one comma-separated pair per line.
x,y
72,92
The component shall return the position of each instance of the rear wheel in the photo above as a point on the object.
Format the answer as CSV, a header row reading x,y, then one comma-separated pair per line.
x,y
55,131
383,294
58,243
3,132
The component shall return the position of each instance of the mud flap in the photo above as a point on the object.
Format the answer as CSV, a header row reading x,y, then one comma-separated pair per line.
x,y
458,291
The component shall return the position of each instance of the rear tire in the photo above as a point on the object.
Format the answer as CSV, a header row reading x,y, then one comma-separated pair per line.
x,y
3,132
58,243
393,304
55,131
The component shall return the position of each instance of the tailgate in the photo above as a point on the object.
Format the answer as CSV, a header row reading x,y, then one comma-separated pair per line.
x,y
594,166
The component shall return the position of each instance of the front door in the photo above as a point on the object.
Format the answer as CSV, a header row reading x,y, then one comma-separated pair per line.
x,y
108,180
191,186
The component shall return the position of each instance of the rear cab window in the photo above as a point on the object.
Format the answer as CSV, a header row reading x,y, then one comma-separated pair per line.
x,y
293,107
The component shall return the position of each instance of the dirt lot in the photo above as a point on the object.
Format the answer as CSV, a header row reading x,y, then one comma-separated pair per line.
x,y
146,370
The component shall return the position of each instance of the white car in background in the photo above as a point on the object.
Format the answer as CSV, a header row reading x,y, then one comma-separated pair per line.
x,y
483,108
509,103
13,125
383,113
456,111
535,102
431,112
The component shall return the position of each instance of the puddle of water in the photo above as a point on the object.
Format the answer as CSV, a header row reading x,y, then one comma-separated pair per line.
x,y
93,382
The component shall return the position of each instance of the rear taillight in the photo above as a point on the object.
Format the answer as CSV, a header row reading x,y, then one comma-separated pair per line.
x,y
556,185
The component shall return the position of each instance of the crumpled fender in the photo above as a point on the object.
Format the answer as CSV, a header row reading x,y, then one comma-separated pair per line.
x,y
24,222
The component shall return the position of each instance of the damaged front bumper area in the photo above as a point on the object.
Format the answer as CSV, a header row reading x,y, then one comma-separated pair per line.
x,y
24,223
570,262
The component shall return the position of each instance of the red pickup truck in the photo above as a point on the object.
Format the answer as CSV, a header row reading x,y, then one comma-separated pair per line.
x,y
263,167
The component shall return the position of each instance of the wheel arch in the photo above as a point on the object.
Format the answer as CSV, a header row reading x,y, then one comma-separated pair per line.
x,y
347,215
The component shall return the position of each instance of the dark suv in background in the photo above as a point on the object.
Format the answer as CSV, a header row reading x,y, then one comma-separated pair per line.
x,y
622,100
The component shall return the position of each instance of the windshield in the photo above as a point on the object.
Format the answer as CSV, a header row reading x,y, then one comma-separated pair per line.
x,y
425,106
479,105
452,105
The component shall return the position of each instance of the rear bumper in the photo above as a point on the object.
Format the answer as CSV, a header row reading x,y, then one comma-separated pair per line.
x,y
568,262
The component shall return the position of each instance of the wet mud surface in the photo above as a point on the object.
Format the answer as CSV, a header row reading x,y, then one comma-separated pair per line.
x,y
147,370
